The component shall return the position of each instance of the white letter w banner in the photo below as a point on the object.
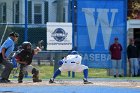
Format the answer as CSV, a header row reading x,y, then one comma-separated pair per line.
x,y
98,23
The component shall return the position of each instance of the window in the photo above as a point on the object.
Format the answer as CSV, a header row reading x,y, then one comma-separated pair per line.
x,y
16,12
46,12
38,16
37,12
3,12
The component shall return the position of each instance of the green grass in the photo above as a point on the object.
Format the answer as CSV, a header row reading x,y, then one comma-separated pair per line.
x,y
46,72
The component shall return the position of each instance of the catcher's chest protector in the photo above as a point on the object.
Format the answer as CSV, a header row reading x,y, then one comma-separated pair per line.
x,y
26,56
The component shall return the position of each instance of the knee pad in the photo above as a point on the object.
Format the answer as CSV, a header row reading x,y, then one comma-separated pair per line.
x,y
35,71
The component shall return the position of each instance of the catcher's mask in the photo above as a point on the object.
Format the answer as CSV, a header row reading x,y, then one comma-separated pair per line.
x,y
27,45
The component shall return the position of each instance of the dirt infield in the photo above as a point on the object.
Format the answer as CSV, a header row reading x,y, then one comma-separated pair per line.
x,y
126,83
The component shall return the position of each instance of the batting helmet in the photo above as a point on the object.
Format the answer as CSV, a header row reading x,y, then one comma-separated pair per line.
x,y
74,53
26,44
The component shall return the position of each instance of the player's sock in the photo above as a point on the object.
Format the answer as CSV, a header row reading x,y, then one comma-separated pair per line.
x,y
85,73
57,72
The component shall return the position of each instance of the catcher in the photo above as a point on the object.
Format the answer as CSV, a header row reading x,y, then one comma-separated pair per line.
x,y
72,62
24,58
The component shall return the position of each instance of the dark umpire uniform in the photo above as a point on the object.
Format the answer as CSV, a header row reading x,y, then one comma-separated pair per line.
x,y
5,50
24,58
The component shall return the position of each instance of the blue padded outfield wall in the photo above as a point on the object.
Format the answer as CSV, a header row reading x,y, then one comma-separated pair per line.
x,y
98,23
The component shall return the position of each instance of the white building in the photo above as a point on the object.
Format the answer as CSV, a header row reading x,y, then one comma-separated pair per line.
x,y
132,26
39,11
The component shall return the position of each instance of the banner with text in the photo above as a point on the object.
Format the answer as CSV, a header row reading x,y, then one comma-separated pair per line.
x,y
99,22
59,36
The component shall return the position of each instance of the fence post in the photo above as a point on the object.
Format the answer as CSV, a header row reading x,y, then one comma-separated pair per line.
x,y
38,61
69,74
60,10
26,21
57,58
59,18
73,74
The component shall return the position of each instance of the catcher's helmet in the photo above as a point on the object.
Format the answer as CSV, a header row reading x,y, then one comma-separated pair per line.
x,y
74,53
26,44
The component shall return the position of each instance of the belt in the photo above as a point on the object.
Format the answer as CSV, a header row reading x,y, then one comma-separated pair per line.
x,y
70,62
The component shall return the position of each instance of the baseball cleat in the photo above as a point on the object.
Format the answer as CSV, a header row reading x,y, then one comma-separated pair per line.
x,y
51,81
20,81
87,82
4,81
37,80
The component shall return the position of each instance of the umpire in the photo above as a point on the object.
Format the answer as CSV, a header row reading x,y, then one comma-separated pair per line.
x,y
5,50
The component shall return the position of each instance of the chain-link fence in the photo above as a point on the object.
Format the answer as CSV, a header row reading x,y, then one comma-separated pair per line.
x,y
29,18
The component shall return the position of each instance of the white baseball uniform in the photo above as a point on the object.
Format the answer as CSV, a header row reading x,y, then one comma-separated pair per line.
x,y
72,63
